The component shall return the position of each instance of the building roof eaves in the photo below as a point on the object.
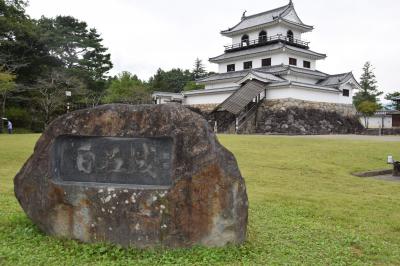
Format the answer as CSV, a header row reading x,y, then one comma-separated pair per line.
x,y
268,76
268,48
280,12
305,85
314,73
253,51
209,91
300,50
163,93
283,8
263,25
304,26
338,79
326,88
231,30
224,76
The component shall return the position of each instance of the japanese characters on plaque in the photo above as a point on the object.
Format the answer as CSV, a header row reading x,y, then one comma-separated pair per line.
x,y
136,161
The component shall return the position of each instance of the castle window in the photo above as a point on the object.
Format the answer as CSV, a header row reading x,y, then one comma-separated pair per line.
x,y
293,61
290,36
230,68
248,65
346,93
262,37
245,40
306,64
266,62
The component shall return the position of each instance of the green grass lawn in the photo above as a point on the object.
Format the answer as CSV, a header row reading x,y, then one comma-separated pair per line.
x,y
305,208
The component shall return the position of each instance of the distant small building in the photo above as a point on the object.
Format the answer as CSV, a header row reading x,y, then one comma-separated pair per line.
x,y
383,119
167,97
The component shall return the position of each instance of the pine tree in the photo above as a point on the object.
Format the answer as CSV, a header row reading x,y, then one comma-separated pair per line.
x,y
369,88
198,70
7,84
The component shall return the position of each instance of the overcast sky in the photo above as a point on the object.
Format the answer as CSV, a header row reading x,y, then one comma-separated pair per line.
x,y
145,35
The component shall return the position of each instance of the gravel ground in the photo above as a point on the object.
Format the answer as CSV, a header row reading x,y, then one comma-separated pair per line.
x,y
355,137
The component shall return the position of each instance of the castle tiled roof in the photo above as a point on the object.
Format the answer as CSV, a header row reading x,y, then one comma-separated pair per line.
x,y
224,76
336,80
276,70
285,69
262,75
275,73
266,49
264,18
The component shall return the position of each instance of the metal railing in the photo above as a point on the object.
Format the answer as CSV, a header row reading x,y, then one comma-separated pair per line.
x,y
267,40
246,116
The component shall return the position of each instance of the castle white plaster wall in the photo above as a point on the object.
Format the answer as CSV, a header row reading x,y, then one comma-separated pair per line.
x,y
274,94
348,87
221,85
206,98
271,31
276,59
307,95
376,122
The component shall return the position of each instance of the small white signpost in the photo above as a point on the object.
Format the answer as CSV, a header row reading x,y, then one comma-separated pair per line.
x,y
68,94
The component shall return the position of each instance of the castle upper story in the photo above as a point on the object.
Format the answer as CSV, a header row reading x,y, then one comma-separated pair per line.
x,y
266,39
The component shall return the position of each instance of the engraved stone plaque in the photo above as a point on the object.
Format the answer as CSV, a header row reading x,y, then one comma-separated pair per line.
x,y
136,161
178,189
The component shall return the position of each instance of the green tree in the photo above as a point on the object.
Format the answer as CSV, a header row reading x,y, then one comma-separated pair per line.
x,y
369,89
7,84
50,92
80,50
62,47
127,88
367,108
199,69
394,104
170,81
12,23
21,50
192,85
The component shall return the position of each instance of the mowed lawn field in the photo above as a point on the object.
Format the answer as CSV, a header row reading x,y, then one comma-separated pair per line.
x,y
305,209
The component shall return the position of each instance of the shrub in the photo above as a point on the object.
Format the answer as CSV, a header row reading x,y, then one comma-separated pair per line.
x,y
19,117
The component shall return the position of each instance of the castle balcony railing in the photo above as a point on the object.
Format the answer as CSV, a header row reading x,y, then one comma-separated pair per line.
x,y
261,41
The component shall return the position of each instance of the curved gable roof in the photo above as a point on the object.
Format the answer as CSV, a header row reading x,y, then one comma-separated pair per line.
x,y
291,15
338,80
261,76
286,12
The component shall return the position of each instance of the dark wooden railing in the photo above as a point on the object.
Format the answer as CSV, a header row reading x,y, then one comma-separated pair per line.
x,y
267,40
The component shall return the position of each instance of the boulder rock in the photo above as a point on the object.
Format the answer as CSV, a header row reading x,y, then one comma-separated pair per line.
x,y
146,175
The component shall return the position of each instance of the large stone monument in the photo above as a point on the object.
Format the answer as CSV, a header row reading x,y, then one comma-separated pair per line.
x,y
147,175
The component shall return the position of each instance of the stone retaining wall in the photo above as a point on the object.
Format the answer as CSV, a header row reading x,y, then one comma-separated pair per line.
x,y
290,117
347,110
297,117
204,108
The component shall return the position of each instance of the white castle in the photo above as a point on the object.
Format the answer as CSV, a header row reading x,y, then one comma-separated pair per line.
x,y
267,59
